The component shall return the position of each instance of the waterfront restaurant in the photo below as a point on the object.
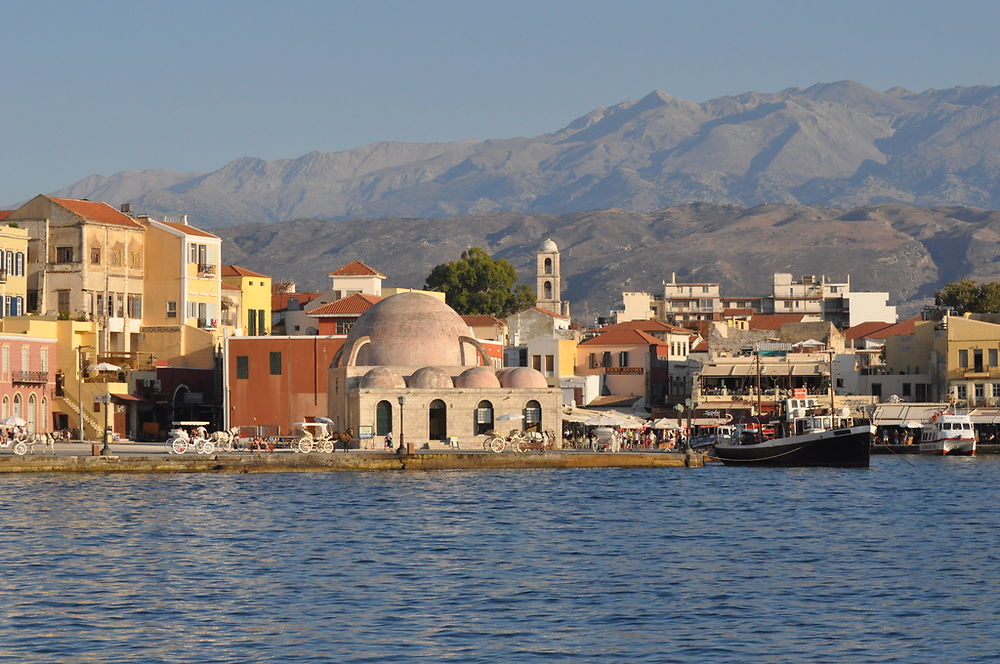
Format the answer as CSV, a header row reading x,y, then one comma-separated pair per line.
x,y
411,367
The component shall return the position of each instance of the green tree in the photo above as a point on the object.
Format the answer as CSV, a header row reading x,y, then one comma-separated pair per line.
x,y
478,284
968,296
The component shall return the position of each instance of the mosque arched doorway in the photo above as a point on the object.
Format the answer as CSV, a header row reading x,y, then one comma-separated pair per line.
x,y
532,416
383,418
437,420
483,418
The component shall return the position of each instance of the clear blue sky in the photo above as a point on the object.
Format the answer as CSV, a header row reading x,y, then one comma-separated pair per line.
x,y
107,85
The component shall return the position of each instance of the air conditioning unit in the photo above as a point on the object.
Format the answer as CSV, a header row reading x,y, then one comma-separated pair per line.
x,y
157,385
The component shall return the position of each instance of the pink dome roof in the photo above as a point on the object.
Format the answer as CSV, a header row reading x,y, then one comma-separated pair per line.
x,y
411,329
523,377
430,378
477,378
382,377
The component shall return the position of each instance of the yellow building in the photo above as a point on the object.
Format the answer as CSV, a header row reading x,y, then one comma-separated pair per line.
x,y
967,360
13,268
251,314
85,260
181,321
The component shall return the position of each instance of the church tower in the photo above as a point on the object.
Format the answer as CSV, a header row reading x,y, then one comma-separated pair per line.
x,y
548,286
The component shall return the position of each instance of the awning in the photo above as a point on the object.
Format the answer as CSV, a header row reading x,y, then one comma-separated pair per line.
x,y
894,414
126,397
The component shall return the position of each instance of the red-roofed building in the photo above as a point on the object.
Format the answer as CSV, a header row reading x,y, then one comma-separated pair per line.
x,y
250,311
633,362
86,259
4,214
336,318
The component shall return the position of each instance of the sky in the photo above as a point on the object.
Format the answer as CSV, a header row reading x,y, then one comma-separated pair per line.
x,y
105,86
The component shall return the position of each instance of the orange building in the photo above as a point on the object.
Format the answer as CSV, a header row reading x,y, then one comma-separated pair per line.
x,y
274,382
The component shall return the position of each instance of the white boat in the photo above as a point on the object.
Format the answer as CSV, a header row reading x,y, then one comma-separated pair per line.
x,y
948,433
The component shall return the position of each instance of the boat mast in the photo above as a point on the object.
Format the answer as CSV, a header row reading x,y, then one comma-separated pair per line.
x,y
833,403
758,378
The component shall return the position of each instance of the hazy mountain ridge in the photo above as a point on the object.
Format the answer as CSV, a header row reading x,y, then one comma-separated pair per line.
x,y
907,251
835,144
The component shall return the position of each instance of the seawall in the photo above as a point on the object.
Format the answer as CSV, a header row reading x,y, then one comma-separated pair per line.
x,y
343,461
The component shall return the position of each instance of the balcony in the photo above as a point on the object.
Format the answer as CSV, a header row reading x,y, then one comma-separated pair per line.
x,y
976,372
3,276
206,270
30,377
126,361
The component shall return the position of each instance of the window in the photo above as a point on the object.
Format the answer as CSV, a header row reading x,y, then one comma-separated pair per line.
x,y
623,358
260,322
135,260
344,326
95,255
62,301
242,366
977,359
980,391
961,393
119,305
606,358
483,418
116,257
25,355
550,365
906,389
135,306
533,416
275,363
252,322
536,362
991,356
44,359
64,254
171,309
19,265
593,361
963,359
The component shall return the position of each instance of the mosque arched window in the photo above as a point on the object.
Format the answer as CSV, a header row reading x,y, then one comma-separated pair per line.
x,y
383,418
437,420
532,416
482,418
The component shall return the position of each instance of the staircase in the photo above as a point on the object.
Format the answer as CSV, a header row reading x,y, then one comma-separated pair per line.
x,y
92,428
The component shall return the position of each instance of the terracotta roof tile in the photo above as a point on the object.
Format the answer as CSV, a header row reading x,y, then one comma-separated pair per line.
x,y
884,330
773,321
623,337
5,213
647,326
353,304
356,269
279,301
237,271
97,211
185,228
226,286
550,313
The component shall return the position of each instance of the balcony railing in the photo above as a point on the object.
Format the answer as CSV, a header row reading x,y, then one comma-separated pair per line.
x,y
206,269
34,377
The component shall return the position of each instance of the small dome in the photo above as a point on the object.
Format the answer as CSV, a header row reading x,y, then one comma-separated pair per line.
x,y
549,245
430,378
477,378
381,377
523,377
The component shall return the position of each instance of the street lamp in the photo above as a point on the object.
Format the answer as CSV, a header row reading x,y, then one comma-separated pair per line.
x,y
690,403
79,385
401,400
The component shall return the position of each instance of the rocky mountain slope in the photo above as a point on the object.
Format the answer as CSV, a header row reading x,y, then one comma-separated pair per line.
x,y
838,144
907,251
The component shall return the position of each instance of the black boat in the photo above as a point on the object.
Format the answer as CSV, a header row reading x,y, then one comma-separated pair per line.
x,y
805,439
847,447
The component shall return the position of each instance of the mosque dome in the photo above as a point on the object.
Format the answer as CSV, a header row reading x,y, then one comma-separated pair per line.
x,y
430,378
549,245
410,329
477,378
382,377
523,377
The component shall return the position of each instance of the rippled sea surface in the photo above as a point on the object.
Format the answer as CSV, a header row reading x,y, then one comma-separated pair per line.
x,y
896,563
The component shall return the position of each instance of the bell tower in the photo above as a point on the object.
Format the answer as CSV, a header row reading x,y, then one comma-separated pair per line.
x,y
548,282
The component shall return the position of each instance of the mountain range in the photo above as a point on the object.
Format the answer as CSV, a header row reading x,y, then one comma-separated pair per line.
x,y
904,250
835,144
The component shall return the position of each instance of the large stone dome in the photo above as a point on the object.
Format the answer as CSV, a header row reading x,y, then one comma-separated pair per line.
x,y
410,329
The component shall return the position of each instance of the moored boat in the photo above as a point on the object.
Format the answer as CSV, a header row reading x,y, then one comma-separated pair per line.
x,y
804,439
948,434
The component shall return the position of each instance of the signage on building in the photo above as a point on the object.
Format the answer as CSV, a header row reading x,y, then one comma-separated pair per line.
x,y
632,371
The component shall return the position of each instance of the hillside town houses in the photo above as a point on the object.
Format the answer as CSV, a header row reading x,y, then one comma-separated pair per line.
x,y
119,323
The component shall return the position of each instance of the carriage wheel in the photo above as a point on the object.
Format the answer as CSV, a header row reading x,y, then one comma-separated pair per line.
x,y
326,446
20,448
497,445
178,446
518,446
305,445
207,447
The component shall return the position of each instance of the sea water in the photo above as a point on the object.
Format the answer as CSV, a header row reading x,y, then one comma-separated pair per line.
x,y
895,563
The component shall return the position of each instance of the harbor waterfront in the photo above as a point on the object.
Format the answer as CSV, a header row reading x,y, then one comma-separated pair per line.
x,y
726,565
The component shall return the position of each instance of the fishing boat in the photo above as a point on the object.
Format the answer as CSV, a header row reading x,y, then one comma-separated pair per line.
x,y
948,433
806,437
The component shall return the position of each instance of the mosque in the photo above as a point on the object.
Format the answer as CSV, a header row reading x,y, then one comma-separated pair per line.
x,y
411,367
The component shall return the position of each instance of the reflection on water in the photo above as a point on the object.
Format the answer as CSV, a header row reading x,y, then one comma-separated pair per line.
x,y
890,564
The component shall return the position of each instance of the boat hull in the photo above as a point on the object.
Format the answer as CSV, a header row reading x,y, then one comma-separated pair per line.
x,y
950,447
840,448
